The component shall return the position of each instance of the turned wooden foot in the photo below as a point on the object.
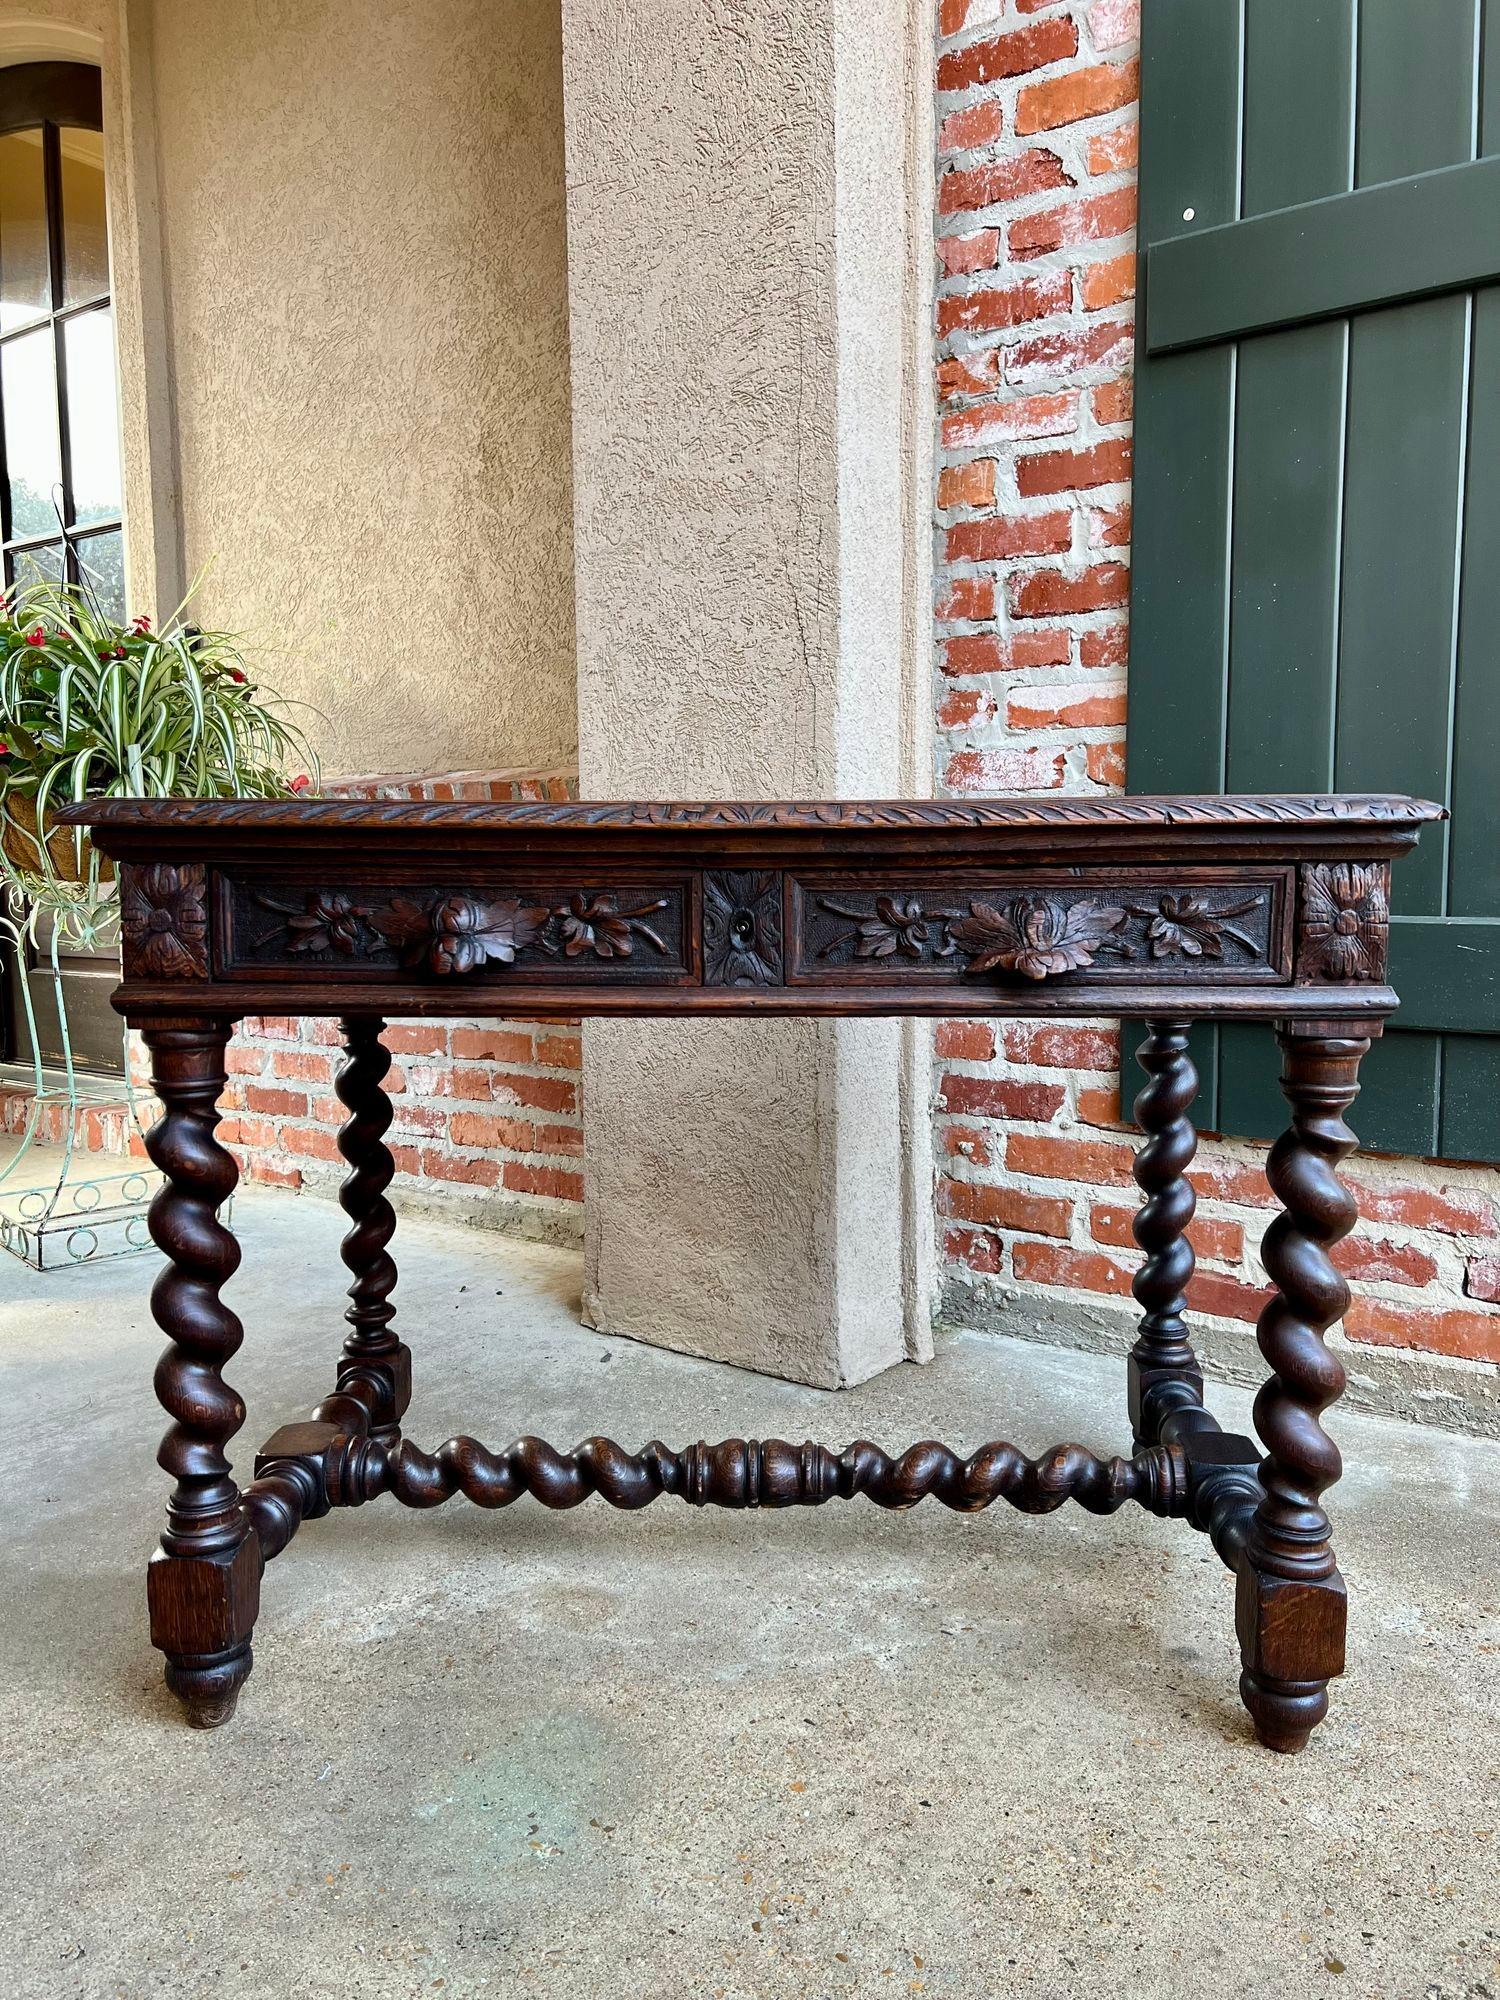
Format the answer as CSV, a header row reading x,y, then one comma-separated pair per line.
x,y
1290,1603
1292,1645
203,1584
209,1690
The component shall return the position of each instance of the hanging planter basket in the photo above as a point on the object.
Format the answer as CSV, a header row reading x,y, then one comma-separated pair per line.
x,y
57,855
92,707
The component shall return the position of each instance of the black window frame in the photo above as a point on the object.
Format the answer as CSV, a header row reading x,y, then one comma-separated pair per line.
x,y
52,95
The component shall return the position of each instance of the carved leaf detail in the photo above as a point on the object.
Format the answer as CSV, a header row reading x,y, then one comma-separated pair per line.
x,y
598,924
1186,926
897,924
1033,935
404,925
457,934
331,922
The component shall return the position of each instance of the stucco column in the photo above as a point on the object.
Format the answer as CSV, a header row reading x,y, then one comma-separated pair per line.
x,y
749,202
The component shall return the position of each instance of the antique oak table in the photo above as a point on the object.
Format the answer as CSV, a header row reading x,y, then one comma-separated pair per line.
x,y
1160,910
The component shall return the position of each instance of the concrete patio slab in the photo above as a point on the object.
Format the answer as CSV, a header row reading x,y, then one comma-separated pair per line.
x,y
681,1755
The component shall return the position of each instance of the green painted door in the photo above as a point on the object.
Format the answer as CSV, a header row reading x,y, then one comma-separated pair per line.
x,y
1316,582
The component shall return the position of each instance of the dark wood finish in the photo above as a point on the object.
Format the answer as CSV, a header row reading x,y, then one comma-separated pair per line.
x,y
1162,1352
205,1579
164,922
373,1355
1177,908
1313,814
1163,910
743,1472
1290,1608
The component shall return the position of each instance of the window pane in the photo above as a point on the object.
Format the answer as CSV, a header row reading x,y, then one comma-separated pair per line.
x,y
85,236
101,562
93,416
33,457
39,565
25,281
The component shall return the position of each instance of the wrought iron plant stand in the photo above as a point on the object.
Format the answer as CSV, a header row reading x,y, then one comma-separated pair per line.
x,y
1161,910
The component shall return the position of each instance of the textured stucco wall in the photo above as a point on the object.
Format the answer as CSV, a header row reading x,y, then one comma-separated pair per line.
x,y
362,223
54,31
744,189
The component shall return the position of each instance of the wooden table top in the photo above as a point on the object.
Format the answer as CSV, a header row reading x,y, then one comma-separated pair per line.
x,y
1216,906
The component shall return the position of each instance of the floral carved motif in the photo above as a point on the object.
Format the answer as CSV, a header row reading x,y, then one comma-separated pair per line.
x,y
1186,926
329,921
1034,936
741,929
164,922
1041,934
447,935
597,924
1345,922
897,924
456,934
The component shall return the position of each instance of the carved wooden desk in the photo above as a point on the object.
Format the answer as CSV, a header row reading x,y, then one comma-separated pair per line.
x,y
1162,910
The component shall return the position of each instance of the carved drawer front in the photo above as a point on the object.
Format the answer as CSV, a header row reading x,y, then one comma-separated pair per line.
x,y
527,931
1124,928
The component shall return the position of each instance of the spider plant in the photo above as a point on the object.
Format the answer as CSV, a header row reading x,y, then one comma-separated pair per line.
x,y
91,708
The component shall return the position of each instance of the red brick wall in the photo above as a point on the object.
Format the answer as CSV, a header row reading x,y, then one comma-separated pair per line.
x,y
486,1114
1036,213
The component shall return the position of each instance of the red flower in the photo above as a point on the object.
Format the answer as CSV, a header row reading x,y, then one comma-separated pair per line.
x,y
38,637
140,626
237,674
301,782
119,652
4,749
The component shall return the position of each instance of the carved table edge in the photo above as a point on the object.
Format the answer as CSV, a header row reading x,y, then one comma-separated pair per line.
x,y
1210,810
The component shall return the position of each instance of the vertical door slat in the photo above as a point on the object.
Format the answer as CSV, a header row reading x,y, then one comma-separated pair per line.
x,y
1416,87
1299,102
1408,375
1474,880
1288,481
1190,161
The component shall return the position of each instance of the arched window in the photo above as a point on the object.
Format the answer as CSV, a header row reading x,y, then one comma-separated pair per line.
x,y
60,489
60,485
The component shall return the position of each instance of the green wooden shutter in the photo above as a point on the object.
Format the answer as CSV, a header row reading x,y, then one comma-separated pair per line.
x,y
1316,582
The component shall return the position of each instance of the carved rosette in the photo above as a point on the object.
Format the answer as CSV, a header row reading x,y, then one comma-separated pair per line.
x,y
1343,928
164,922
741,929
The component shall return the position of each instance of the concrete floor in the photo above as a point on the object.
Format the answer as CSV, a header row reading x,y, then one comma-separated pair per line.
x,y
679,1755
